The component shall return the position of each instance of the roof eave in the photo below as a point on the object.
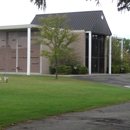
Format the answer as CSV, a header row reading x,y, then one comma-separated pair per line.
x,y
18,27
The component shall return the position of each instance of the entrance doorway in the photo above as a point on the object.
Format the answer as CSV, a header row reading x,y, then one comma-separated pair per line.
x,y
98,42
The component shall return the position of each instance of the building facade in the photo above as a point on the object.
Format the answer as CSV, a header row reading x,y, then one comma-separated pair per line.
x,y
19,53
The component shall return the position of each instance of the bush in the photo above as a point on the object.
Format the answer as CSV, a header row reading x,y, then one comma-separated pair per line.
x,y
80,70
126,68
116,68
52,69
63,69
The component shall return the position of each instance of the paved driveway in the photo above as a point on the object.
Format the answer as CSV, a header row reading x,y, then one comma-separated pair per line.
x,y
122,80
115,117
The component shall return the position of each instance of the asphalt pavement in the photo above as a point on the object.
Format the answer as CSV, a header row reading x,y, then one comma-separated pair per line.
x,y
122,80
115,117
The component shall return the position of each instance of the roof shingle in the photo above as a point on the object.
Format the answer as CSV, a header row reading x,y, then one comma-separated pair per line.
x,y
93,21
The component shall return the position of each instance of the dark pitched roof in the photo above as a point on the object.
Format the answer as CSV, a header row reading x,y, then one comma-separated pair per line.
x,y
93,21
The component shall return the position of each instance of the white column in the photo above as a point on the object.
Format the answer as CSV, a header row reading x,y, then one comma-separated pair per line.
x,y
89,52
28,50
17,52
121,49
40,60
110,55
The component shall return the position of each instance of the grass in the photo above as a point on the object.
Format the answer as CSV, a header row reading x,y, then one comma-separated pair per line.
x,y
34,97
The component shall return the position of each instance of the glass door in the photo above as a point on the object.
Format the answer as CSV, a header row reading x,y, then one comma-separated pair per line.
x,y
98,42
98,53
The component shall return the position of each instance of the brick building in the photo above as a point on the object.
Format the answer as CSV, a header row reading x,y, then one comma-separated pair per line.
x,y
19,54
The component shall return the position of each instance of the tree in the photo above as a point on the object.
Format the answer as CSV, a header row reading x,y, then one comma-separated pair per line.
x,y
56,37
126,44
40,3
121,4
117,61
116,52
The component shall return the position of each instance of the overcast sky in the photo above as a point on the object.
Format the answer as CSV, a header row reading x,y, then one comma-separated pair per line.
x,y
15,12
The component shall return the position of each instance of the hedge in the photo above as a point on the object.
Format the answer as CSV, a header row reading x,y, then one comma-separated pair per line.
x,y
63,69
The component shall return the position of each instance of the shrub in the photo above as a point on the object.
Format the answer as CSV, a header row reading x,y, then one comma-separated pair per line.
x,y
52,69
126,68
63,69
80,70
116,68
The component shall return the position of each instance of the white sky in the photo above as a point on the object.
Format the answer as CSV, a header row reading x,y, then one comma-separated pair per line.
x,y
16,12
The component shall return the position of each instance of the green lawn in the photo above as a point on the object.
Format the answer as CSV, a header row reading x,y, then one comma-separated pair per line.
x,y
34,97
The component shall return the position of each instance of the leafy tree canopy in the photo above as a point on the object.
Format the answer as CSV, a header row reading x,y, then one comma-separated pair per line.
x,y
121,4
40,3
126,44
116,53
56,37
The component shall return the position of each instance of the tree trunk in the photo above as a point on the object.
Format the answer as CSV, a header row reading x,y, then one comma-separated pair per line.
x,y
56,69
56,72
